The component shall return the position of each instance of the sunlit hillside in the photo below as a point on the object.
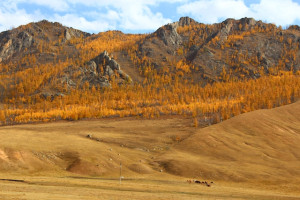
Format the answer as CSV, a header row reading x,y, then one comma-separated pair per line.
x,y
252,156
208,73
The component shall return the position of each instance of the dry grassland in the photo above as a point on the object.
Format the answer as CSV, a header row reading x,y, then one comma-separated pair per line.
x,y
251,156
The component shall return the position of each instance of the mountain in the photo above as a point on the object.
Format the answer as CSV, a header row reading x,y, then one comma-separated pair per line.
x,y
37,39
43,43
185,68
232,49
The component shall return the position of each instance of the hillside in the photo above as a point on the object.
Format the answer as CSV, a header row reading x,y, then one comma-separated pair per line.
x,y
210,73
266,147
229,50
44,42
258,146
258,150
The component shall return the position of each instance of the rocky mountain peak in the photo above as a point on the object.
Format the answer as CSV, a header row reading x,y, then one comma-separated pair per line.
x,y
16,41
248,21
186,21
230,25
168,33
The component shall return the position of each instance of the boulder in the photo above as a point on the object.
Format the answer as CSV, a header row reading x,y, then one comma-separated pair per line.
x,y
123,75
73,33
114,65
108,71
92,67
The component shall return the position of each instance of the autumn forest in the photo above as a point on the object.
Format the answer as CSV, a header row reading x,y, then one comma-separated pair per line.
x,y
207,73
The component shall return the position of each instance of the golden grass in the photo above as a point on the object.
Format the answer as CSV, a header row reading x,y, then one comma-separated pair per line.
x,y
100,188
251,156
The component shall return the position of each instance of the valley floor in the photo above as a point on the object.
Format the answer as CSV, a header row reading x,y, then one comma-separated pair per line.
x,y
66,188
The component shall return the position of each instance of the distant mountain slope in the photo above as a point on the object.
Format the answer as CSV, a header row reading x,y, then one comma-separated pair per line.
x,y
46,66
232,49
45,40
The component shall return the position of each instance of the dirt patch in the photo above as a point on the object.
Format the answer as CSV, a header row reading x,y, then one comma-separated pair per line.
x,y
3,155
140,168
86,168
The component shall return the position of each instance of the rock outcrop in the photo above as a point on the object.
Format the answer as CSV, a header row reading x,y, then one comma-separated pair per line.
x,y
97,72
104,65
72,33
226,29
11,45
169,35
186,21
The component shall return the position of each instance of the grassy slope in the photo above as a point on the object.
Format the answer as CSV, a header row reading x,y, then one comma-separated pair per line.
x,y
258,150
261,146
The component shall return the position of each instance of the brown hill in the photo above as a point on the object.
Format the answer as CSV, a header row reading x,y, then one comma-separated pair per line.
x,y
261,147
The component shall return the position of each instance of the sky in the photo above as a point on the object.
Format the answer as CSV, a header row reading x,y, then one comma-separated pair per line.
x,y
143,16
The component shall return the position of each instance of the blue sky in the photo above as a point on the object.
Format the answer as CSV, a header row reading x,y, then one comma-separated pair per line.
x,y
142,16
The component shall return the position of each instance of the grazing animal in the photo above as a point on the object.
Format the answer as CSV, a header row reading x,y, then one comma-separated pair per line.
x,y
200,182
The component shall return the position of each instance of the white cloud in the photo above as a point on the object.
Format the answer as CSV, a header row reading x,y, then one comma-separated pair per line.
x,y
211,11
273,11
142,18
11,16
56,5
82,23
141,15
130,15
121,3
276,11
